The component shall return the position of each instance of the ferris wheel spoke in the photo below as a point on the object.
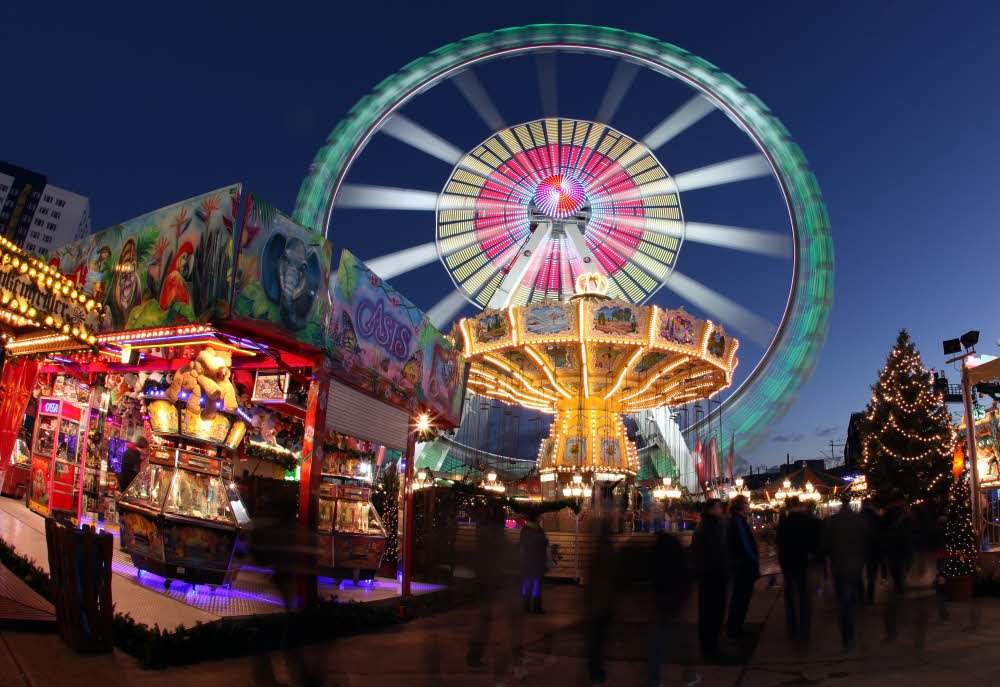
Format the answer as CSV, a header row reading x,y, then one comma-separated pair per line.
x,y
621,81
412,134
738,169
444,311
545,64
403,261
687,115
722,309
471,88
366,197
770,243
528,255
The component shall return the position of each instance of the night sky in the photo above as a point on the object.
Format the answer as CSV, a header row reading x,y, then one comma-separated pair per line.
x,y
894,105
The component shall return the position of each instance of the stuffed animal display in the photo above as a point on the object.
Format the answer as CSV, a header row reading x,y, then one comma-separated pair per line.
x,y
207,378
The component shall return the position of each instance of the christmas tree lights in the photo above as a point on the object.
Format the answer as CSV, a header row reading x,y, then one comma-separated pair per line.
x,y
908,439
960,536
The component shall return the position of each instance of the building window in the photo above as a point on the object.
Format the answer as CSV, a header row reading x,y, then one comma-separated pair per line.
x,y
60,203
39,223
47,239
35,234
48,199
56,214
51,225
43,211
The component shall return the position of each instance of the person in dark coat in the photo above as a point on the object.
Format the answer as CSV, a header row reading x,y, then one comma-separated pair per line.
x,y
846,543
672,583
709,554
798,541
135,453
874,555
534,547
744,564
898,542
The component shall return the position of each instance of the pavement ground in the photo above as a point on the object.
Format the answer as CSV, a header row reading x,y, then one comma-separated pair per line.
x,y
958,650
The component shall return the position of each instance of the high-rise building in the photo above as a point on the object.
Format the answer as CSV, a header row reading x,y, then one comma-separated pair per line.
x,y
39,216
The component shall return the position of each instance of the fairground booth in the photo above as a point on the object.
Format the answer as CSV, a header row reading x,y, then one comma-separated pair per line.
x,y
211,330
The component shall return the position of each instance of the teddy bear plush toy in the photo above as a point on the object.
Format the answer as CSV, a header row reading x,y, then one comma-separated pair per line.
x,y
206,377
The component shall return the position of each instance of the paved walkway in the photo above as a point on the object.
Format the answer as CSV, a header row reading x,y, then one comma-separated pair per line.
x,y
146,598
431,651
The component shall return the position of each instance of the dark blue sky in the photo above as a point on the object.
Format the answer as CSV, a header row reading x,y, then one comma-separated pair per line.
x,y
894,104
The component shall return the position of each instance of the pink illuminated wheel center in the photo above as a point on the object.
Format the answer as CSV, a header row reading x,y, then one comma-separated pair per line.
x,y
560,195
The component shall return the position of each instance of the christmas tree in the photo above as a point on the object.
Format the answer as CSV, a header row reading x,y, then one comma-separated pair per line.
x,y
960,538
907,440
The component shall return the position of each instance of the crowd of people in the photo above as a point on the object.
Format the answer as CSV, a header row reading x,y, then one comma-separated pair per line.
x,y
854,552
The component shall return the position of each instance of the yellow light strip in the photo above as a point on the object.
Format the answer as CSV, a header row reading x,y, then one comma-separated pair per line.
x,y
548,373
668,368
527,382
624,373
583,351
497,381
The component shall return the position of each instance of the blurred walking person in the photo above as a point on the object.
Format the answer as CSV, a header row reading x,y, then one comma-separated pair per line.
x,y
489,579
846,543
600,598
534,547
798,542
874,554
744,562
709,554
672,583
898,542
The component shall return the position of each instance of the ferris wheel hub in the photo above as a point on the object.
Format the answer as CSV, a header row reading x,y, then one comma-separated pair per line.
x,y
560,196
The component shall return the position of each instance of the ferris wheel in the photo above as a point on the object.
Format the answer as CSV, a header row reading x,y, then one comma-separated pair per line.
x,y
539,202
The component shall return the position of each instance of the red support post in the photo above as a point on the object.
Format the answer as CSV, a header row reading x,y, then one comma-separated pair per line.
x,y
407,477
309,481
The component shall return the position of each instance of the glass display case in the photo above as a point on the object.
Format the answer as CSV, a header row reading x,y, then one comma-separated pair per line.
x,y
182,516
16,481
57,455
352,537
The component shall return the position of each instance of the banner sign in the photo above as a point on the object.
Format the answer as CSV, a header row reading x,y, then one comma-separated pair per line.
x,y
18,285
282,272
380,343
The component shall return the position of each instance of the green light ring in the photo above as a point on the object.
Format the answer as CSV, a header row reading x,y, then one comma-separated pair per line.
x,y
770,387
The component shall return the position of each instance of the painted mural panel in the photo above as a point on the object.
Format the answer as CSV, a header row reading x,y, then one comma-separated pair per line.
x,y
677,327
547,320
381,343
617,320
168,266
281,273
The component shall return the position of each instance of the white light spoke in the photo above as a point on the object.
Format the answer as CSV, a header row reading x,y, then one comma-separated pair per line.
x,y
445,310
621,81
469,85
737,169
722,310
547,84
402,261
368,197
772,243
409,132
688,114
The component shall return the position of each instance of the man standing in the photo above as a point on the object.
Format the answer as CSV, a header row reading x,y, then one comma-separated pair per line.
x,y
708,549
534,548
672,583
135,453
874,555
845,541
744,561
797,541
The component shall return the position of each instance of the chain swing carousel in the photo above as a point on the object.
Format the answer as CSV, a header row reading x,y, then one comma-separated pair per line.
x,y
586,361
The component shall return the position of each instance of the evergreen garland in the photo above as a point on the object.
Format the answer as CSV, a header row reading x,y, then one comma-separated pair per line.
x,y
283,459
907,437
385,499
960,536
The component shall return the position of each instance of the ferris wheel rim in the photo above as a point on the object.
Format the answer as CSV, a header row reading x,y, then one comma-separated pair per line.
x,y
791,354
